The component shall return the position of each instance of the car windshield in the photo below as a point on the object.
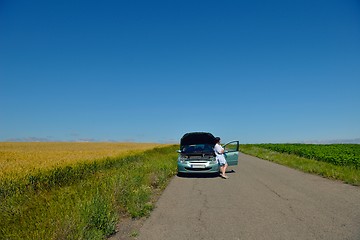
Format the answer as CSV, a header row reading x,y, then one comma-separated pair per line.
x,y
197,148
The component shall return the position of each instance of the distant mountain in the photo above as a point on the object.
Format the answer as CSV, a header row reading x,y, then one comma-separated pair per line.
x,y
355,141
336,141
28,139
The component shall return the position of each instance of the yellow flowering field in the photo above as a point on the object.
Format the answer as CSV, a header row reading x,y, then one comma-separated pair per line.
x,y
17,159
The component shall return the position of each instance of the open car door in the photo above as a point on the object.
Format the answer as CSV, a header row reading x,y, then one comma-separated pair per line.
x,y
231,152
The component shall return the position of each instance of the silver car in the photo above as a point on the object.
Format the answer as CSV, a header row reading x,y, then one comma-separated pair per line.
x,y
196,154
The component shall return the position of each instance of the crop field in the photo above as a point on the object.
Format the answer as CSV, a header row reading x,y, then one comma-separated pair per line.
x,y
337,154
19,159
334,161
78,190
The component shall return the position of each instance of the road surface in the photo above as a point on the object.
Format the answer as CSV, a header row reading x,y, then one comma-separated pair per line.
x,y
260,200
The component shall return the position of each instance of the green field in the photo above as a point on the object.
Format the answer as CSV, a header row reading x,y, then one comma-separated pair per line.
x,y
335,161
337,154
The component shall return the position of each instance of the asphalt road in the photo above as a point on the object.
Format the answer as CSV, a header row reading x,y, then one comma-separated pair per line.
x,y
260,200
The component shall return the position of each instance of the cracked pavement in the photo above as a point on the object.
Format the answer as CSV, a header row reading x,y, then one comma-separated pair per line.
x,y
260,200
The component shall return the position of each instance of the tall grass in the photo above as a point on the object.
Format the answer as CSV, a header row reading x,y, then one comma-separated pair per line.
x,y
85,201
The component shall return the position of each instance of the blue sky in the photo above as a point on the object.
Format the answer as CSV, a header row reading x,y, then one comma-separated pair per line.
x,y
150,71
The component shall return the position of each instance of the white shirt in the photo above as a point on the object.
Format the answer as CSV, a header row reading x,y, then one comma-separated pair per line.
x,y
219,156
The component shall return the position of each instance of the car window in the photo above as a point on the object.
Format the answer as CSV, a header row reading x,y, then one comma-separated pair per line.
x,y
232,146
197,148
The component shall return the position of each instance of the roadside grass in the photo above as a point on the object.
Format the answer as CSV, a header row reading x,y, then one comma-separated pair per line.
x,y
347,174
90,198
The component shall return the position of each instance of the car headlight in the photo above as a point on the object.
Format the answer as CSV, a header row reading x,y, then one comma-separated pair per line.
x,y
182,159
213,161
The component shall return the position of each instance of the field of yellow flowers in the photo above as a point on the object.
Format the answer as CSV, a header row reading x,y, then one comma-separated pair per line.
x,y
18,159
78,190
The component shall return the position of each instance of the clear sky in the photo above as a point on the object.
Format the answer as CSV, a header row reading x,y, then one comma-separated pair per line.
x,y
150,71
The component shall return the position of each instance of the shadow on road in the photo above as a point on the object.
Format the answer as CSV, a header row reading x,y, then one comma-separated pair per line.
x,y
201,175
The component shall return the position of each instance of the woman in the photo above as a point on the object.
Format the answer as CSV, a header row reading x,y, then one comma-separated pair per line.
x,y
220,158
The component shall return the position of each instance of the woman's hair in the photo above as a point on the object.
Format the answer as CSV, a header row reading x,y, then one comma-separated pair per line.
x,y
217,139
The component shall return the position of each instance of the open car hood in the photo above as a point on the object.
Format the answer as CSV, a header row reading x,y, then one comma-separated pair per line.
x,y
197,138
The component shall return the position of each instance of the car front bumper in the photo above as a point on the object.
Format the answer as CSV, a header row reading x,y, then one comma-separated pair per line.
x,y
197,167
